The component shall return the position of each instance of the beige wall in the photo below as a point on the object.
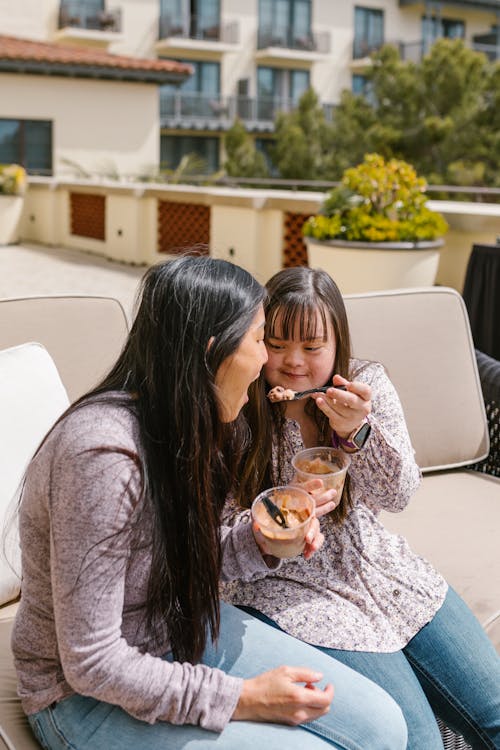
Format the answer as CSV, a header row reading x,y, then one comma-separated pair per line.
x,y
470,223
103,125
247,226
30,19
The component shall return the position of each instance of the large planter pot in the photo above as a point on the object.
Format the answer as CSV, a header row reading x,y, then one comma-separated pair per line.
x,y
370,266
11,208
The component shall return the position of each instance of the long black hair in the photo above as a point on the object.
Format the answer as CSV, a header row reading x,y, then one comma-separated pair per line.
x,y
188,455
295,295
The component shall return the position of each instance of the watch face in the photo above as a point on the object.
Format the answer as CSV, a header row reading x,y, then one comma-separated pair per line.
x,y
361,436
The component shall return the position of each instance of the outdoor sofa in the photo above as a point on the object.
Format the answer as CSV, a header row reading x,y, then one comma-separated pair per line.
x,y
422,337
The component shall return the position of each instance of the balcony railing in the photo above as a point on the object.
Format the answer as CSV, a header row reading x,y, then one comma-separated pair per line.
x,y
291,39
197,27
78,15
415,51
222,111
364,48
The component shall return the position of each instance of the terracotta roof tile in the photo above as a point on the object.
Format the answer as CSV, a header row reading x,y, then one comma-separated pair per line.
x,y
46,54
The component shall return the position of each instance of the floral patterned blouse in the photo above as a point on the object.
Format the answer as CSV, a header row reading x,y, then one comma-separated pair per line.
x,y
364,590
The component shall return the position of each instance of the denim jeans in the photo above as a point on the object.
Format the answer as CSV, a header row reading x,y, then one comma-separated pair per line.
x,y
449,669
362,716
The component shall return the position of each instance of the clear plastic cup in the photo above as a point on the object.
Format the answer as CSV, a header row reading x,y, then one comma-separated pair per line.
x,y
297,507
328,464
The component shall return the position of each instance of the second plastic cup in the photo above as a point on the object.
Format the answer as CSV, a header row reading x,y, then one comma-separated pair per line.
x,y
297,507
328,464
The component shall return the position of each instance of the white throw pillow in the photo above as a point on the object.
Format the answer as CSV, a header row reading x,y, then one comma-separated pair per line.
x,y
32,397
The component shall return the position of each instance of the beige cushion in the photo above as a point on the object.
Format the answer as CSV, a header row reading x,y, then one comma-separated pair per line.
x,y
83,334
31,398
453,521
15,731
423,338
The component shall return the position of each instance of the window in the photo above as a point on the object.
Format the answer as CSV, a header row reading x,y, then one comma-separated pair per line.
x,y
174,147
197,19
265,147
279,89
434,28
363,87
285,23
197,96
84,14
359,84
368,31
27,142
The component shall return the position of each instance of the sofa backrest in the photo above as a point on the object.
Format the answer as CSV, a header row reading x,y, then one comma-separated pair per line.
x,y
32,397
84,334
423,338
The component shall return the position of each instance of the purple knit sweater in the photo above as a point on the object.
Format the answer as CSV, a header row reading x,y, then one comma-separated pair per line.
x,y
80,624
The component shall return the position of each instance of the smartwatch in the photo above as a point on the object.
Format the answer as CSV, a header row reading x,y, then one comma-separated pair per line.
x,y
356,440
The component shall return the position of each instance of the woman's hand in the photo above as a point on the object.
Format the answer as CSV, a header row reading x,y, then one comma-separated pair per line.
x,y
278,696
313,540
345,409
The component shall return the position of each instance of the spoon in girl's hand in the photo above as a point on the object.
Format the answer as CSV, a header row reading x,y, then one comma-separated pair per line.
x,y
287,394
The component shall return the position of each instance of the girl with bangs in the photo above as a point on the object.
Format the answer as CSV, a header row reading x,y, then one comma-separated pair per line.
x,y
365,598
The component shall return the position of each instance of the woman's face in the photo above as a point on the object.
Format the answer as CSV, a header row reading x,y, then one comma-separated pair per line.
x,y
237,371
298,364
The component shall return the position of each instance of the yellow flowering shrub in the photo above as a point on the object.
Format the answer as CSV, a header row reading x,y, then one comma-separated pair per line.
x,y
377,201
12,179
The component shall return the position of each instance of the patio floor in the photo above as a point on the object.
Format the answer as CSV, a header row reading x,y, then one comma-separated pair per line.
x,y
29,269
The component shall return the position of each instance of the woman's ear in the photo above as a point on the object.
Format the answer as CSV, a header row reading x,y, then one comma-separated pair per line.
x,y
210,342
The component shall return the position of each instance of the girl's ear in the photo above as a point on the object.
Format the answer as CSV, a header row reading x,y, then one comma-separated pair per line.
x,y
210,342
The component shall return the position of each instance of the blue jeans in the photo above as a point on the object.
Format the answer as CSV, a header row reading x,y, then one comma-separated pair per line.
x,y
449,669
362,715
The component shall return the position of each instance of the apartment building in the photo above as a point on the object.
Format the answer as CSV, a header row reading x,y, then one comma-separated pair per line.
x,y
247,59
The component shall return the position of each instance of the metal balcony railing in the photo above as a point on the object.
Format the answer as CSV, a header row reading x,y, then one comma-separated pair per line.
x,y
178,106
289,38
81,15
198,27
365,47
415,51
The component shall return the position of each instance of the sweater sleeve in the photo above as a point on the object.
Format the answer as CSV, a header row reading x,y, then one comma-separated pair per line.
x,y
241,557
93,502
384,474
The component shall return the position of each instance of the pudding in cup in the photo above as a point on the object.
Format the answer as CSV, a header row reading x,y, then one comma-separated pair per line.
x,y
328,464
297,507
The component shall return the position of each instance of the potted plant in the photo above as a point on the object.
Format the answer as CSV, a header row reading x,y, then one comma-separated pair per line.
x,y
375,231
12,188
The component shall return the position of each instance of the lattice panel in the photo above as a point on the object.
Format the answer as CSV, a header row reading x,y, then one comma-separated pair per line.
x,y
88,215
295,249
182,225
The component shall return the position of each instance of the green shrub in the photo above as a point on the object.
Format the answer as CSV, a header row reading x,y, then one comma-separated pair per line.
x,y
377,201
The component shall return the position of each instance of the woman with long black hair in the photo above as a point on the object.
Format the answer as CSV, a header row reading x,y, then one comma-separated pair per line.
x,y
120,641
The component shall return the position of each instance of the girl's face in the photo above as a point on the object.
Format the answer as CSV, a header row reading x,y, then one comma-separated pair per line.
x,y
301,364
237,371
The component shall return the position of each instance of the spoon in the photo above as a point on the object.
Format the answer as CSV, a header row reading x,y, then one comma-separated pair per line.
x,y
274,512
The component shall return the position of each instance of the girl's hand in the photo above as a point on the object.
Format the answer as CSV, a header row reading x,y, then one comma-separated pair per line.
x,y
314,539
345,409
278,696
324,500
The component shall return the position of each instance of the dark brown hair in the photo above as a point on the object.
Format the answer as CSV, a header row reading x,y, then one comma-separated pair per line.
x,y
188,457
295,295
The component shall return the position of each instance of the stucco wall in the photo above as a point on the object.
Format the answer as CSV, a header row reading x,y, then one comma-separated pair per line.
x,y
103,126
246,226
